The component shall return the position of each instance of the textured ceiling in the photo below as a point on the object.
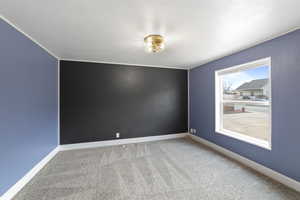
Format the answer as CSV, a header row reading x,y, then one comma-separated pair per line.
x,y
196,31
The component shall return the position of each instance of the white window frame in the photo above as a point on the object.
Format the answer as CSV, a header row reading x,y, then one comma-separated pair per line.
x,y
219,103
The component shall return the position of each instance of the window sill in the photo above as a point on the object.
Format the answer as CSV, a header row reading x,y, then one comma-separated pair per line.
x,y
261,143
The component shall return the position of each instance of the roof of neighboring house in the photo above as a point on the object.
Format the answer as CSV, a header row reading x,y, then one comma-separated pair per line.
x,y
253,85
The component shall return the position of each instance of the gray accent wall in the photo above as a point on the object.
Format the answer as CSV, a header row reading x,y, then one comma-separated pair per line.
x,y
28,105
285,54
98,100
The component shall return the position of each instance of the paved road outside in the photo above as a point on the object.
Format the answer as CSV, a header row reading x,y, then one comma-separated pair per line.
x,y
254,124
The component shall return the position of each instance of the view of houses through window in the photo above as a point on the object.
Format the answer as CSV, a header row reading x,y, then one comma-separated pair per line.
x,y
244,102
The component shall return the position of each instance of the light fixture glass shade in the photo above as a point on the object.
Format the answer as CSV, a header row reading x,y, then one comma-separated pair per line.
x,y
154,43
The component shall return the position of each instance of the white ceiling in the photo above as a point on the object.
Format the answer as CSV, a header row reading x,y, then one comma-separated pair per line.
x,y
197,31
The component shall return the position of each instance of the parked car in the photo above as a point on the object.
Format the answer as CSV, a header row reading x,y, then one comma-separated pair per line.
x,y
246,97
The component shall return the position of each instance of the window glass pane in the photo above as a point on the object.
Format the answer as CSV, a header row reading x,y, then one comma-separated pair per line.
x,y
247,85
247,119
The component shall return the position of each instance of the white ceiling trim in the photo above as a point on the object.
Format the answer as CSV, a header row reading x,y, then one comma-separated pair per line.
x,y
244,48
28,36
135,64
78,60
119,63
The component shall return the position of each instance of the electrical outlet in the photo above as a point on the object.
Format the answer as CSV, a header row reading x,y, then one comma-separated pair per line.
x,y
117,135
192,130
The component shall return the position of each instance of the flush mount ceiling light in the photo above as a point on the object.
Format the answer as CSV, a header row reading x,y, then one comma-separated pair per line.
x,y
154,43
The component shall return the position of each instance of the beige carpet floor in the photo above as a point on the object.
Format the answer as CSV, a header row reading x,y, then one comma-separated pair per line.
x,y
178,169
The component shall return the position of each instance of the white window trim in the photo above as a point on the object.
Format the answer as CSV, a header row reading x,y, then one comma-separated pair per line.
x,y
219,107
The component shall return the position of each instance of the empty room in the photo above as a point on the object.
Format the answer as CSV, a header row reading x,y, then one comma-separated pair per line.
x,y
150,100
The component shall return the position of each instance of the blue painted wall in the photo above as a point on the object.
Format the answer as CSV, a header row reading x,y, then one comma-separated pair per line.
x,y
285,53
28,105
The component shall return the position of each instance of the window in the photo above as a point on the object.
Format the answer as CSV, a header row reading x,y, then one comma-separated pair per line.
x,y
243,102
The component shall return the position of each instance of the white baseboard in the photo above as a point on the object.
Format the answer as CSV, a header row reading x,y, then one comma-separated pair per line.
x,y
23,181
85,145
257,167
